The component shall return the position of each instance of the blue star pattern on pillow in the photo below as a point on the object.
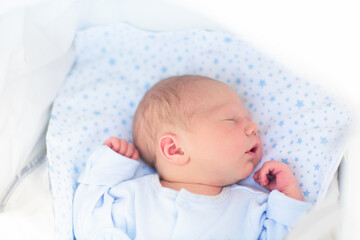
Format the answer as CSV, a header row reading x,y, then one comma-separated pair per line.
x,y
299,123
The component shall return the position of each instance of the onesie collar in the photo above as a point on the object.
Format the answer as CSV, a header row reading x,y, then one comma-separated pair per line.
x,y
185,194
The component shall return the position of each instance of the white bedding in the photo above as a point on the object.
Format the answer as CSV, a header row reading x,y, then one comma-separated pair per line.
x,y
29,212
304,36
299,123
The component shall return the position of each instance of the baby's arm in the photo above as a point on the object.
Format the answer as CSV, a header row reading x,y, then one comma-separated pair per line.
x,y
122,147
283,179
95,196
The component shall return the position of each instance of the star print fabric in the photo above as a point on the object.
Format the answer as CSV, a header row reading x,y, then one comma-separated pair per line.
x,y
299,123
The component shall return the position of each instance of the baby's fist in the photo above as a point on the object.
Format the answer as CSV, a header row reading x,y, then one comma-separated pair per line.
x,y
122,147
277,175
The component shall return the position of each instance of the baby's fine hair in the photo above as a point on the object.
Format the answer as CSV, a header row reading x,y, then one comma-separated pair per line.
x,y
167,106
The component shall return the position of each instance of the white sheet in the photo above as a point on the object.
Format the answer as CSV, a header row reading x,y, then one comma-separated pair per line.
x,y
324,220
29,214
34,61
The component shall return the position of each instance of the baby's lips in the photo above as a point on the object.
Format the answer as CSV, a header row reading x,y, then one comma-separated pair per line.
x,y
253,149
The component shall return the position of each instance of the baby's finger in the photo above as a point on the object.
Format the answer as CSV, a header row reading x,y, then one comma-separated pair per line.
x,y
113,143
256,176
130,150
116,144
108,143
123,146
263,172
136,155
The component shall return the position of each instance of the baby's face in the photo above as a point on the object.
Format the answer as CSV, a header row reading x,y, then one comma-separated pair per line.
x,y
223,143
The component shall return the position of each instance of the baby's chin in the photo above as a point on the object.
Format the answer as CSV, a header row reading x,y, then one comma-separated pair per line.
x,y
237,176
255,162
249,169
237,179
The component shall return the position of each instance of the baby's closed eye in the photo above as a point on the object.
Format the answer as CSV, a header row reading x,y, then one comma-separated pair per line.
x,y
230,119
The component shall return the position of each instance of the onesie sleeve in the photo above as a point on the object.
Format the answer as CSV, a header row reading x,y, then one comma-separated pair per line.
x,y
106,167
93,201
275,214
281,213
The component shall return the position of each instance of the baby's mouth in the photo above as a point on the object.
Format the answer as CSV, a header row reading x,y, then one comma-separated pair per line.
x,y
253,150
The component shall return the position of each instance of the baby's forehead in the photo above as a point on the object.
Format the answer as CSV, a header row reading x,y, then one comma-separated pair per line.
x,y
212,97
205,88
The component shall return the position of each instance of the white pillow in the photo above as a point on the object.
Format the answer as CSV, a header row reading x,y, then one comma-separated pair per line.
x,y
299,123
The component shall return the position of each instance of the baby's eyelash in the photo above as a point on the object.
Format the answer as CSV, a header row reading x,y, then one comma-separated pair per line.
x,y
231,119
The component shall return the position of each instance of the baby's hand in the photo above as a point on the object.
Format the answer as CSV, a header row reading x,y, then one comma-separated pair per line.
x,y
122,147
280,178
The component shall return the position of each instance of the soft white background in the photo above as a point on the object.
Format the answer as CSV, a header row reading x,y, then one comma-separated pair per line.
x,y
318,40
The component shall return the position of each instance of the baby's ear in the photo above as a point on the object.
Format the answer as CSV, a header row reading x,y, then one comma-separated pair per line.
x,y
171,150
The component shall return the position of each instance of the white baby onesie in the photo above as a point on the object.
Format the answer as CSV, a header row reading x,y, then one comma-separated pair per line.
x,y
110,204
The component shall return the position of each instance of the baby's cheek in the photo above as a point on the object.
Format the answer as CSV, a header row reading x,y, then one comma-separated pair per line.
x,y
260,151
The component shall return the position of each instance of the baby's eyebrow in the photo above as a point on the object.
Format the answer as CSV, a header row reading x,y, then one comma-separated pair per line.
x,y
217,108
227,107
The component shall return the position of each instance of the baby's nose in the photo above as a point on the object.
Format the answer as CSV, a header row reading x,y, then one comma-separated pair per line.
x,y
251,129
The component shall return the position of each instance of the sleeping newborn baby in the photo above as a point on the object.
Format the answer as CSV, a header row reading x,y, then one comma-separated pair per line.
x,y
197,134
